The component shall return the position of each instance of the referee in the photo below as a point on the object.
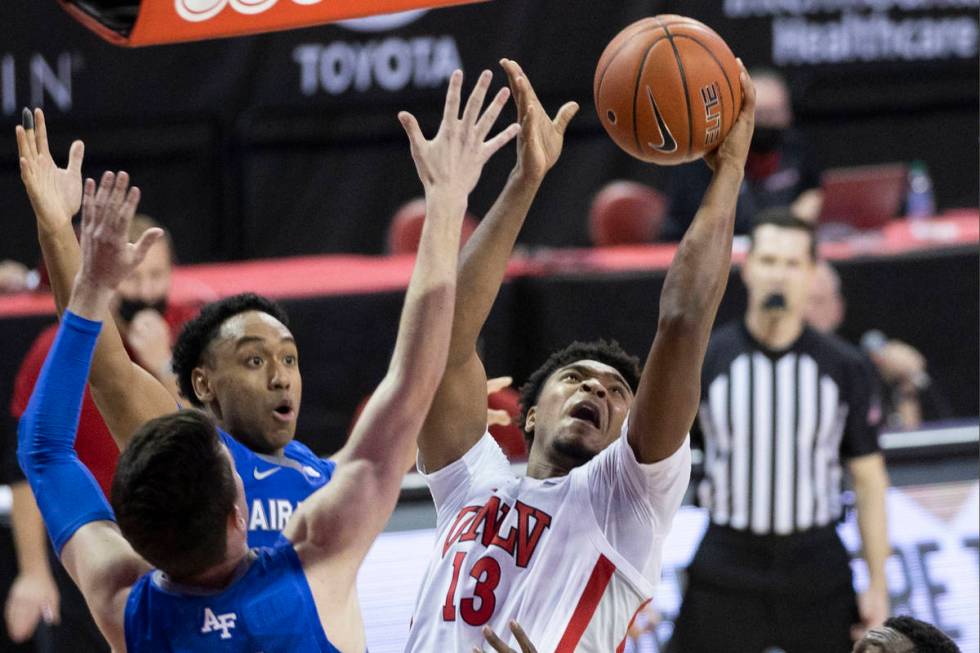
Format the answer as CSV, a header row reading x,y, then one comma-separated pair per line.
x,y
783,409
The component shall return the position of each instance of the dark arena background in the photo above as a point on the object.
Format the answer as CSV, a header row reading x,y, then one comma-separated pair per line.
x,y
277,163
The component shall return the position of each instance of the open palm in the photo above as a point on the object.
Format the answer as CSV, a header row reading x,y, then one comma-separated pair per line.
x,y
55,193
541,139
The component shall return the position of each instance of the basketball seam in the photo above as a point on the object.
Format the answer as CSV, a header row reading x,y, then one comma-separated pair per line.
x,y
731,91
636,89
687,96
602,75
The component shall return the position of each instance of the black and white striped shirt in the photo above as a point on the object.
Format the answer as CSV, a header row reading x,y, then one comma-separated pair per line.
x,y
776,425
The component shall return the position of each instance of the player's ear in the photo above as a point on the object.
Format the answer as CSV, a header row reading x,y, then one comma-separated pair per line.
x,y
202,385
238,521
529,419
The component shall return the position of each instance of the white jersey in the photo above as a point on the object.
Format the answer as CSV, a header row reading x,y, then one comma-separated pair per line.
x,y
572,558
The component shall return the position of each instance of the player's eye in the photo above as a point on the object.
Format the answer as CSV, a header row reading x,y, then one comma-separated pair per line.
x,y
254,361
570,376
289,359
620,390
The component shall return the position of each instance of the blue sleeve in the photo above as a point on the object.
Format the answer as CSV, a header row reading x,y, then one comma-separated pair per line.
x,y
66,493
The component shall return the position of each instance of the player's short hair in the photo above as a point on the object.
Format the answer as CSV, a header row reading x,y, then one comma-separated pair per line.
x,y
173,492
926,637
603,351
784,218
194,338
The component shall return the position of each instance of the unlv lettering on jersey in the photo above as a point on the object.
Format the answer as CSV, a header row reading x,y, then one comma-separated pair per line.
x,y
484,523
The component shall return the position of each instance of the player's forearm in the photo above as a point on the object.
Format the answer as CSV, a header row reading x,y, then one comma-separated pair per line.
x,y
30,538
698,276
421,347
870,489
483,262
66,493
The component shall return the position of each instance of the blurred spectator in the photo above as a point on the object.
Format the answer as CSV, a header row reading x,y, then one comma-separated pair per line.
x,y
780,170
16,277
900,367
42,590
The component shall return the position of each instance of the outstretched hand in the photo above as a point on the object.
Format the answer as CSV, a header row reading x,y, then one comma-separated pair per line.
x,y
735,147
541,139
55,193
107,255
453,160
498,644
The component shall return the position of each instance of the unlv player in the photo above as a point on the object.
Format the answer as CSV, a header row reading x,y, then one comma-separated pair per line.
x,y
571,551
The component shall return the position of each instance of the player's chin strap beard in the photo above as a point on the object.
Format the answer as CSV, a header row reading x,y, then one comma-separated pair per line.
x,y
572,454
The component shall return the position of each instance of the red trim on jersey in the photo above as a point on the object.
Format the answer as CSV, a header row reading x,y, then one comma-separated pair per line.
x,y
587,604
622,644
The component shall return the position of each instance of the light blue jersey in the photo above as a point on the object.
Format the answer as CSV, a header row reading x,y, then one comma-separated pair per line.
x,y
275,485
267,608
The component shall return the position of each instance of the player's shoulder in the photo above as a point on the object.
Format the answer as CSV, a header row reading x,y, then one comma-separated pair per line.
x,y
302,453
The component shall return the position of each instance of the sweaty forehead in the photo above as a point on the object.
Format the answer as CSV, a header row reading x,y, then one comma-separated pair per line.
x,y
251,324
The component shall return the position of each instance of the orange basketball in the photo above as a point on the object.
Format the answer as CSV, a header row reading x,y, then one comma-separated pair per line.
x,y
667,89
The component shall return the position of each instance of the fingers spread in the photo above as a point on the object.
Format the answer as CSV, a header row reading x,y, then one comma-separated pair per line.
x,y
143,245
494,641
492,113
41,133
451,111
411,127
475,101
116,216
75,156
565,115
522,638
501,139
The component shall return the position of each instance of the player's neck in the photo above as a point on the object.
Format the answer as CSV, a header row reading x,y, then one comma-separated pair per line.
x,y
775,329
222,574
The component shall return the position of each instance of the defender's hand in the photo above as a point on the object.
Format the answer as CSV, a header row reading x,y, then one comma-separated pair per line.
x,y
453,160
735,148
498,644
107,255
540,141
55,193
32,598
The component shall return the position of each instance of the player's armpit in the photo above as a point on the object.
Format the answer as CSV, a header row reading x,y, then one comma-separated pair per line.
x,y
458,416
104,567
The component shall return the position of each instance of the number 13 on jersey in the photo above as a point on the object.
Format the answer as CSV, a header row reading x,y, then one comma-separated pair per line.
x,y
475,610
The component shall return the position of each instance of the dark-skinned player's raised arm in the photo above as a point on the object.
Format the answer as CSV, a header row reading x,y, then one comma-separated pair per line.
x,y
458,417
667,398
127,395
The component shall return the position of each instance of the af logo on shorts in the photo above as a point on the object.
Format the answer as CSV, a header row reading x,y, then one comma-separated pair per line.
x,y
223,622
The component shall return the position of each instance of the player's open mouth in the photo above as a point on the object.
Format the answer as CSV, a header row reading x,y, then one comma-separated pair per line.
x,y
587,412
284,411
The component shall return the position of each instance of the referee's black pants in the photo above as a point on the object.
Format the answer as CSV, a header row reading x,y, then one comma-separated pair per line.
x,y
748,593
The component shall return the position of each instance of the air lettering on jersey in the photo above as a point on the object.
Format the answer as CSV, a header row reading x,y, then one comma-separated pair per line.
x,y
269,515
485,522
223,622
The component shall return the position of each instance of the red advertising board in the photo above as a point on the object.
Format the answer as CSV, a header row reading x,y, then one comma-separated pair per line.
x,y
173,21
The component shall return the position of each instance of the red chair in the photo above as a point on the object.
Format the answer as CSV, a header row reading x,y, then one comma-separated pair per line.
x,y
626,213
405,229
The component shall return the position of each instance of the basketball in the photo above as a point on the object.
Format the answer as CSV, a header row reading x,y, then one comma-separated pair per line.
x,y
667,89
